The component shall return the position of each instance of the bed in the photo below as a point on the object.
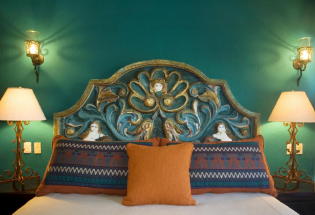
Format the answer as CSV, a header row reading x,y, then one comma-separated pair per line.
x,y
156,104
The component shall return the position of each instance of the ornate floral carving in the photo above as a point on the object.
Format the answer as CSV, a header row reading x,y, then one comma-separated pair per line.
x,y
160,89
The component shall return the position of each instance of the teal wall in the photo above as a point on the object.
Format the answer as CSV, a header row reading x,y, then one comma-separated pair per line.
x,y
248,43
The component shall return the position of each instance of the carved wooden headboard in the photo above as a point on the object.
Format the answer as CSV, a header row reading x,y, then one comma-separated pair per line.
x,y
157,98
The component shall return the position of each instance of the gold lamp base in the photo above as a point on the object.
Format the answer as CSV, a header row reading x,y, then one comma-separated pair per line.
x,y
17,178
290,176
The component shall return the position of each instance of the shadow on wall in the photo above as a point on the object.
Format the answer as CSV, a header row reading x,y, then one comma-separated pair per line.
x,y
270,54
68,41
10,34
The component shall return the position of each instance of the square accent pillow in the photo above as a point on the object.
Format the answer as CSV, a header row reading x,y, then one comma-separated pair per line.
x,y
159,175
87,167
235,166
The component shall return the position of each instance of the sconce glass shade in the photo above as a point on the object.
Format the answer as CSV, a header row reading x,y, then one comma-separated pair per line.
x,y
304,51
20,104
293,106
305,54
32,47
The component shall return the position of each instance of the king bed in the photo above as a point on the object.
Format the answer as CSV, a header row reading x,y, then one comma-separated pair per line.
x,y
156,104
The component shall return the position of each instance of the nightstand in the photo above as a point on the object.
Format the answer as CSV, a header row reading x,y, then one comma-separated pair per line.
x,y
301,199
12,200
302,202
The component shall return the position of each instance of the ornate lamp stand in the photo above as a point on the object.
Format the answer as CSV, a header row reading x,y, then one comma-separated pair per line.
x,y
290,175
17,178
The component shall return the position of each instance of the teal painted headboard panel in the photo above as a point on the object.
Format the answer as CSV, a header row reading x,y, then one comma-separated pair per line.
x,y
156,98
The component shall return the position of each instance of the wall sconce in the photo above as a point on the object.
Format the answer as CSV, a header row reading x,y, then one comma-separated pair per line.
x,y
303,57
32,49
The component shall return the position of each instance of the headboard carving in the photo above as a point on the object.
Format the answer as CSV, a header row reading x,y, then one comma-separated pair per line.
x,y
156,98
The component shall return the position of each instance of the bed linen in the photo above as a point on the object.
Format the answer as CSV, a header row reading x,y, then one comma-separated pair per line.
x,y
210,204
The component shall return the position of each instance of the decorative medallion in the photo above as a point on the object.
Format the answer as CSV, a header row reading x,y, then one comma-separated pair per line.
x,y
160,89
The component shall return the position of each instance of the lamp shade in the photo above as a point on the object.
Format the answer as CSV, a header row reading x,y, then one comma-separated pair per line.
x,y
20,104
293,106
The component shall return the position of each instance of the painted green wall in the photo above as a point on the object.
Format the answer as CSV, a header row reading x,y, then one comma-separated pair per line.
x,y
248,43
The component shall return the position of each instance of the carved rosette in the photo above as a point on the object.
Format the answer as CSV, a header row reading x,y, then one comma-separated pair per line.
x,y
158,90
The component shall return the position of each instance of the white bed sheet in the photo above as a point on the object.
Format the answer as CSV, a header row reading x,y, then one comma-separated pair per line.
x,y
208,204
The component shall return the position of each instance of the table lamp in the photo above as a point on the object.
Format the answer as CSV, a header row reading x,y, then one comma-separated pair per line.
x,y
293,108
18,106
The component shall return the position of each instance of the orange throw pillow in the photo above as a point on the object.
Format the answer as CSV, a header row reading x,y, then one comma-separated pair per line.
x,y
159,175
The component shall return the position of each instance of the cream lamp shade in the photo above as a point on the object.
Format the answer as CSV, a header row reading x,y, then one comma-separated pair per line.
x,y
293,106
20,104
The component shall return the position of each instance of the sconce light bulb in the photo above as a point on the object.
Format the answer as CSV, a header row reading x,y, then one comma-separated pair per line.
x,y
33,49
305,55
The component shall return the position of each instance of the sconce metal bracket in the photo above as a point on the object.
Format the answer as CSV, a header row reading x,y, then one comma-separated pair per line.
x,y
37,60
300,67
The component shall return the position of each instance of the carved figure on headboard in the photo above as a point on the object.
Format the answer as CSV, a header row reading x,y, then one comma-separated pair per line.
x,y
221,133
171,130
144,131
158,86
94,132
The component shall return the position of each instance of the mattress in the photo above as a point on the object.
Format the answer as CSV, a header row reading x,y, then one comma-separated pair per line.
x,y
228,203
